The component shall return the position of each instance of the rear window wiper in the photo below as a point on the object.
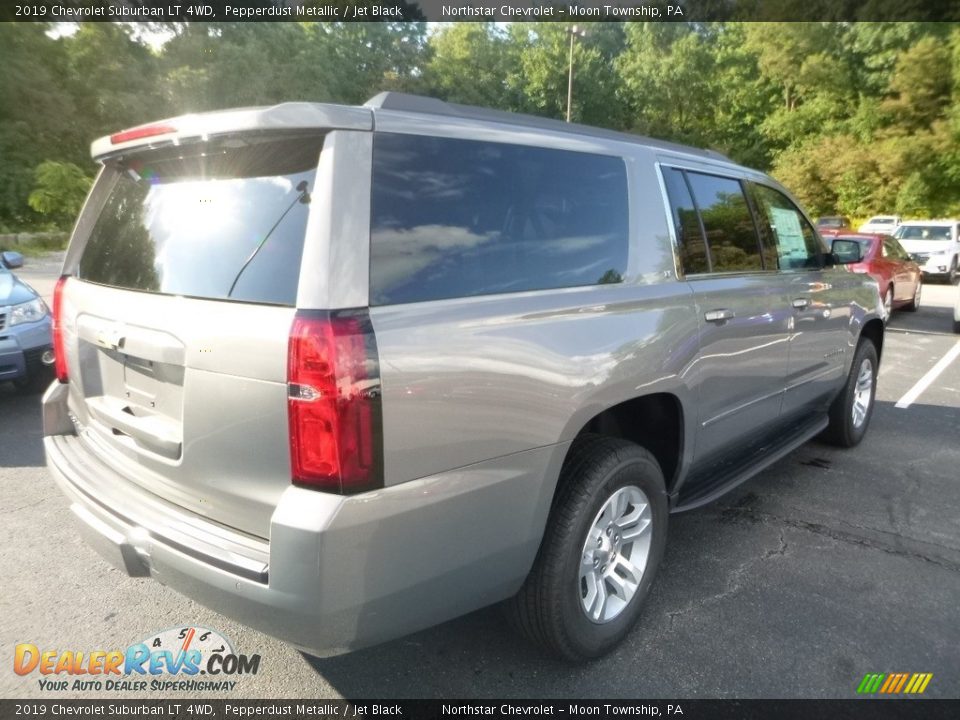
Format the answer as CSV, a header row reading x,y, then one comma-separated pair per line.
x,y
304,199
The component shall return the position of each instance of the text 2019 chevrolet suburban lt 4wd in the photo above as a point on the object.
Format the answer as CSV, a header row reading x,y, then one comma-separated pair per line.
x,y
342,373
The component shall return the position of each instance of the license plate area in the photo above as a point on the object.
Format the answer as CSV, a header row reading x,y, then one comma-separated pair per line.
x,y
132,380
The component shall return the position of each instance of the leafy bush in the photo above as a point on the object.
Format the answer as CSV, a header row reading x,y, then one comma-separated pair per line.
x,y
60,190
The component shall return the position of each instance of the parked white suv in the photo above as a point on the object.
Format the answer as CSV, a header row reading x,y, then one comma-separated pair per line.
x,y
934,245
883,224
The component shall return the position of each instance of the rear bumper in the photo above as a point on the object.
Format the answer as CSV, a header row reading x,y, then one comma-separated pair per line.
x,y
337,573
21,349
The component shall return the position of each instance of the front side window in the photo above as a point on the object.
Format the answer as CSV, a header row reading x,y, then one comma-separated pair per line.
x,y
456,218
892,249
797,245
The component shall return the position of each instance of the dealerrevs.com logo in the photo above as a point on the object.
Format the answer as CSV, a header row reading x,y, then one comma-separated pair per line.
x,y
190,658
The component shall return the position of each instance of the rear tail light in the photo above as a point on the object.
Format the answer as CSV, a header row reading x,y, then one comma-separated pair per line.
x,y
138,133
333,403
59,353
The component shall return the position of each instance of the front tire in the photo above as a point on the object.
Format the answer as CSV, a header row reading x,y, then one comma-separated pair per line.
x,y
888,303
601,549
852,409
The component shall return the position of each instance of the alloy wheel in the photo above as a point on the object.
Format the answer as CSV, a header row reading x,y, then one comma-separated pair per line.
x,y
615,554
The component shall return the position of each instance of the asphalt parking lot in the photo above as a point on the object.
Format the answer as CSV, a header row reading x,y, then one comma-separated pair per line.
x,y
829,565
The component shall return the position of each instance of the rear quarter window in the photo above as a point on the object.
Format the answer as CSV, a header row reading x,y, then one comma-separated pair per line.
x,y
221,220
455,218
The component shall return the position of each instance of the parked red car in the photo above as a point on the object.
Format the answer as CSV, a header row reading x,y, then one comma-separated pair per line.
x,y
890,265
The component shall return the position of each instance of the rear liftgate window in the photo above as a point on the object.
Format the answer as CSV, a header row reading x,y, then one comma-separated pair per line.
x,y
456,218
223,219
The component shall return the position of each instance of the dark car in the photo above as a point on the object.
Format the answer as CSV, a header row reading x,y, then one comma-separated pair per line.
x,y
26,345
895,271
832,222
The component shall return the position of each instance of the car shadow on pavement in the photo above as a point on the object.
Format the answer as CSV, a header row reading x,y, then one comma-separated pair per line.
x,y
479,655
21,434
927,319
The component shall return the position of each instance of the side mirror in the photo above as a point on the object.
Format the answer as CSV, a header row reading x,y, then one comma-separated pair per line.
x,y
11,259
846,252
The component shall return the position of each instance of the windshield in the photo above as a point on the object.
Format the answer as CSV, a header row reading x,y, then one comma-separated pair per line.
x,y
883,220
923,232
223,219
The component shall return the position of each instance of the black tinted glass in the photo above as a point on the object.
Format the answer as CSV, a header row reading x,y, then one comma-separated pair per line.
x,y
455,218
219,220
731,235
693,250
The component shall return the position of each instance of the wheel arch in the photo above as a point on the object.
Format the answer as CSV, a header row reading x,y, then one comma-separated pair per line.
x,y
873,331
654,421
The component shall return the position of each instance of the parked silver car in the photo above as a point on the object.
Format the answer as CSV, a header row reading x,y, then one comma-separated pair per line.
x,y
343,373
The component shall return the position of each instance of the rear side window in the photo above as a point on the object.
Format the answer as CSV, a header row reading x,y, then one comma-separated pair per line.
x,y
731,235
224,219
456,218
693,250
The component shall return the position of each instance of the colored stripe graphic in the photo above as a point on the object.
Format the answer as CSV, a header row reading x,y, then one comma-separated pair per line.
x,y
926,681
870,683
894,683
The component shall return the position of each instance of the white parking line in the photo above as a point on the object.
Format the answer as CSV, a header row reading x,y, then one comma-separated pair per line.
x,y
924,382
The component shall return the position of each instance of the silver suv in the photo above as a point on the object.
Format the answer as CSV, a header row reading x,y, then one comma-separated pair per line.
x,y
343,373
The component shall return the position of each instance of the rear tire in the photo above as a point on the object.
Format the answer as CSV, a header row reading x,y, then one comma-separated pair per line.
x,y
852,409
600,552
914,304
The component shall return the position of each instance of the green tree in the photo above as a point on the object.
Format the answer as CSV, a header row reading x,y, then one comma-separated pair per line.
x,y
468,64
60,190
111,77
920,84
38,118
537,79
668,85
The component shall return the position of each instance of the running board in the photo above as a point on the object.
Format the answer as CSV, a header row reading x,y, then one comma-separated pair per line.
x,y
752,465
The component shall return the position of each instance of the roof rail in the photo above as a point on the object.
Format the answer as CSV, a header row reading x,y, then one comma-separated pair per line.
x,y
405,102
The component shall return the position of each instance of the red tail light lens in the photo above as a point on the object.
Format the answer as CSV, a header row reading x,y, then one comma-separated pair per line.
x,y
59,352
138,133
333,404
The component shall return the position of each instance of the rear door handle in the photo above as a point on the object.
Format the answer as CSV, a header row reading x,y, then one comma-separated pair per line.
x,y
719,315
801,303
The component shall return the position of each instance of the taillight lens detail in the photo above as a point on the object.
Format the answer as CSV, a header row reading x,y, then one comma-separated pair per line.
x,y
59,351
333,402
138,133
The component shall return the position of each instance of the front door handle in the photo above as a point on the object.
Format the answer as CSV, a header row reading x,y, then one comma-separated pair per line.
x,y
801,303
719,315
